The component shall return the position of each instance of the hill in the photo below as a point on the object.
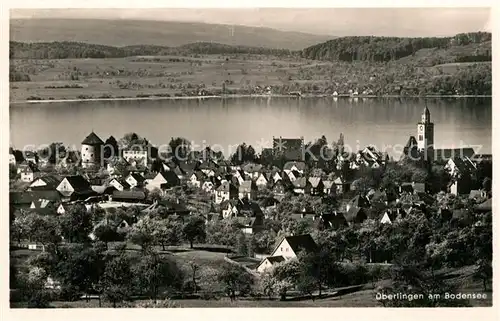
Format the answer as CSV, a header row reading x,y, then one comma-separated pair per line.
x,y
162,33
467,47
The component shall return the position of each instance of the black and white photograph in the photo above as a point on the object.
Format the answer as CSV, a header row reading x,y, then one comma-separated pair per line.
x,y
250,158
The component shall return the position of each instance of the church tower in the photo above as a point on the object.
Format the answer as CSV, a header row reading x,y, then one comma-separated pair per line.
x,y
425,134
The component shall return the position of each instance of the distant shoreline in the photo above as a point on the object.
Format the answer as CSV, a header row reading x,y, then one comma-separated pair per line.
x,y
239,96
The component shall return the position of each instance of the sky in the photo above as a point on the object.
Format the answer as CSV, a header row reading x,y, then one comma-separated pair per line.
x,y
329,21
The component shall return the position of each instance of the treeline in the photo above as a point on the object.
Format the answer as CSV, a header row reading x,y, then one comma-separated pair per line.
x,y
383,49
66,50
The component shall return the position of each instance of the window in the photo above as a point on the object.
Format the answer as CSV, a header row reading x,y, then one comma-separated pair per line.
x,y
420,137
281,249
91,155
286,249
86,148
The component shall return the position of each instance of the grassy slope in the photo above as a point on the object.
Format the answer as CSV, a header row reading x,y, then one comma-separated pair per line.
x,y
130,32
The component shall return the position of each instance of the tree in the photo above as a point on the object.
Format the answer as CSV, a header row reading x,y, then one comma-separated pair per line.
x,y
194,229
235,280
106,233
80,268
43,229
286,274
155,272
143,232
168,231
76,224
116,281
241,244
52,153
111,148
180,148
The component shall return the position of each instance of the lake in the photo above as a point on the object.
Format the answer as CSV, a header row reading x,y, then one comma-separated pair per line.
x,y
381,121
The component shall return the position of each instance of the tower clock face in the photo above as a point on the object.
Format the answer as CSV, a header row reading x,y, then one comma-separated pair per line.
x,y
421,127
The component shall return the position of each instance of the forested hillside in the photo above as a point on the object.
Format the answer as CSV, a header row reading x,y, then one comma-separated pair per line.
x,y
65,50
476,47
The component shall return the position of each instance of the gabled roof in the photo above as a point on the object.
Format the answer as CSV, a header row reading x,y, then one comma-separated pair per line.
x,y
463,165
301,166
358,201
301,242
355,214
300,182
314,181
199,175
121,181
20,198
92,139
78,183
129,195
51,182
251,168
328,184
138,177
485,206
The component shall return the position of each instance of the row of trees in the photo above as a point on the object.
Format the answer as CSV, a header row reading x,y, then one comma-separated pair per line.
x,y
66,50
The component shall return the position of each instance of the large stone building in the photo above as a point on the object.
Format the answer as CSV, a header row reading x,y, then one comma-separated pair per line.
x,y
91,150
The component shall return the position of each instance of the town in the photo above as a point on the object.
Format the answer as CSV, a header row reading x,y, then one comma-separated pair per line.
x,y
286,223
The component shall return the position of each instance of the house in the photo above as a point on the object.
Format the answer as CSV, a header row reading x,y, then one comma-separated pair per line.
x,y
136,157
12,159
388,217
282,186
75,187
247,189
302,186
46,183
317,186
28,171
230,208
485,206
130,196
252,171
24,199
225,191
262,180
240,177
135,180
330,221
250,225
61,209
163,180
355,215
276,177
119,183
327,187
290,149
30,157
294,166
196,179
43,207
173,208
461,171
290,246
357,201
293,175
269,262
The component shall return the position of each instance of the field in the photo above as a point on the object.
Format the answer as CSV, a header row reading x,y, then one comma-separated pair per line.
x,y
135,77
